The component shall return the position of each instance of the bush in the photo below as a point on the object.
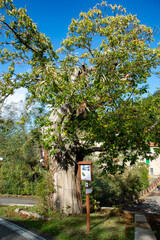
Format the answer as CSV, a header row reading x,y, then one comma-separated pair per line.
x,y
120,189
142,169
45,190
16,179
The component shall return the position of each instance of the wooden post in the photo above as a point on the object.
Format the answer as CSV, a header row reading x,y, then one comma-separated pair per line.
x,y
86,174
88,209
45,157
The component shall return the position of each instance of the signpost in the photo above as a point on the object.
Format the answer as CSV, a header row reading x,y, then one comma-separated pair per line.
x,y
86,174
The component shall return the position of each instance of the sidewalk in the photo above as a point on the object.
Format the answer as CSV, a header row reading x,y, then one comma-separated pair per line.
x,y
143,230
147,207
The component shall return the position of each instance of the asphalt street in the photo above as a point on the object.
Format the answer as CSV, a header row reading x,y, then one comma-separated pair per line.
x,y
11,231
10,201
8,234
149,206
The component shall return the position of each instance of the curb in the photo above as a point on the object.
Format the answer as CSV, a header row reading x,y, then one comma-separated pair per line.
x,y
143,230
21,231
14,204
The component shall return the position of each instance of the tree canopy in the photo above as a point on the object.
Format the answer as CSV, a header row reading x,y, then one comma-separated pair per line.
x,y
97,78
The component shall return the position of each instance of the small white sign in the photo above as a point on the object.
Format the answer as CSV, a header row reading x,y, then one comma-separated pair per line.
x,y
1,159
86,184
88,191
86,172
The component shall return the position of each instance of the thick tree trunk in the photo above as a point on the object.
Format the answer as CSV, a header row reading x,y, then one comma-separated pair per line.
x,y
63,168
67,195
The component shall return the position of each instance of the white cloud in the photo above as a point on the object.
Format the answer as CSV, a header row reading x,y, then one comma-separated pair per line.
x,y
19,95
16,101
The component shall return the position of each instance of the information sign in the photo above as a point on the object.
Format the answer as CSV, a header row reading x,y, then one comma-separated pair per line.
x,y
85,171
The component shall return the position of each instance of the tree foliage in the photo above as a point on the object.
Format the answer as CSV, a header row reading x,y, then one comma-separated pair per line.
x,y
20,152
98,81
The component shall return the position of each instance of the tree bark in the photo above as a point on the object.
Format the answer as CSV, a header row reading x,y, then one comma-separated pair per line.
x,y
67,195
63,168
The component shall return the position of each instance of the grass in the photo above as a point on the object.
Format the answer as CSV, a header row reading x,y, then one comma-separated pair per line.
x,y
106,225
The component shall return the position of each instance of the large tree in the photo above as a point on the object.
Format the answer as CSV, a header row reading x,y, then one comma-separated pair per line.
x,y
94,90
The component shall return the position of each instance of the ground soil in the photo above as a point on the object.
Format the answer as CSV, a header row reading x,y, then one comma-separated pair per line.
x,y
154,222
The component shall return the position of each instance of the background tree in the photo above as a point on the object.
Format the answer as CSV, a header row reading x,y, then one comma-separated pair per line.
x,y
151,103
20,150
94,91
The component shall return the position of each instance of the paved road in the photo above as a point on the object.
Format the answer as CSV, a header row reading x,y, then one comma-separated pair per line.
x,y
151,205
7,234
17,201
11,231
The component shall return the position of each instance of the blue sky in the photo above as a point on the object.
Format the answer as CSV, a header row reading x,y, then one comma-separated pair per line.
x,y
53,17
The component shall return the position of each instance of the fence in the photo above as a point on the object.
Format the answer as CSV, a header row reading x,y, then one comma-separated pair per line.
x,y
150,188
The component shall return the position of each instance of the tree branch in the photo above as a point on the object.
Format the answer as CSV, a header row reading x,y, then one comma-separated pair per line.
x,y
96,149
18,37
154,125
79,71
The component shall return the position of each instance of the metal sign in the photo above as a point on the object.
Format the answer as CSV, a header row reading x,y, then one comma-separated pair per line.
x,y
88,190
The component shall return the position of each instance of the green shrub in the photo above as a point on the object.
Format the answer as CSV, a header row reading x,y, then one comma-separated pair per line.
x,y
142,169
120,189
16,179
45,190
